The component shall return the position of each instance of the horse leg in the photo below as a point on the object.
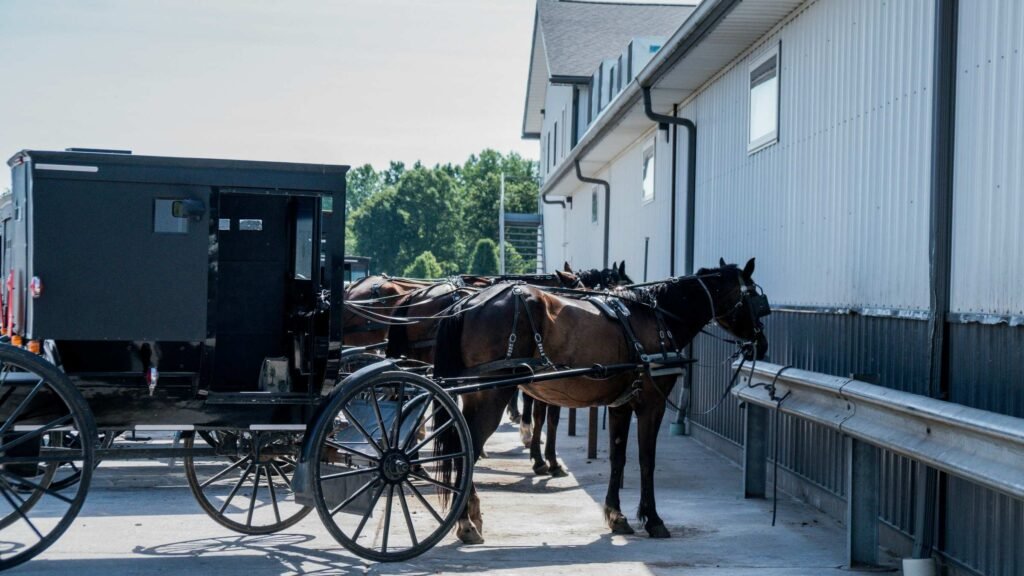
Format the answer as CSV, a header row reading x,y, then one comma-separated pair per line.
x,y
482,411
554,412
513,407
526,423
618,434
648,423
540,467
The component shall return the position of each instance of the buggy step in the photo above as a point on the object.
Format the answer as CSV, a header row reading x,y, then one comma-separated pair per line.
x,y
275,398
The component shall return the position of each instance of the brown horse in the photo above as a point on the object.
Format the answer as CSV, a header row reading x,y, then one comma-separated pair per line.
x,y
552,330
368,298
537,413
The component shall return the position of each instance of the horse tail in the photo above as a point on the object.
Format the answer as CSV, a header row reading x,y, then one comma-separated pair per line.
x,y
447,363
398,335
448,349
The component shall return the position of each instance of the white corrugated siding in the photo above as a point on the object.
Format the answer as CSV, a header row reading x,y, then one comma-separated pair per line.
x,y
837,211
988,271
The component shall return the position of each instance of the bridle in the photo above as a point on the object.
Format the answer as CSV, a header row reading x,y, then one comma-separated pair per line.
x,y
751,295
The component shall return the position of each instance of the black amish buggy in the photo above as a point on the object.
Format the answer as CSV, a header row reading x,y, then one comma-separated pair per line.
x,y
190,296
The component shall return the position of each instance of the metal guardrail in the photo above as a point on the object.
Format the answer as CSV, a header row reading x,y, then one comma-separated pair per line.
x,y
977,445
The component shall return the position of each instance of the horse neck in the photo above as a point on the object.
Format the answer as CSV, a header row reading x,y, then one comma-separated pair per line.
x,y
688,302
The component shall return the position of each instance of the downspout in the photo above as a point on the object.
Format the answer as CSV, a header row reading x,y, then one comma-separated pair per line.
x,y
680,425
928,492
691,180
607,204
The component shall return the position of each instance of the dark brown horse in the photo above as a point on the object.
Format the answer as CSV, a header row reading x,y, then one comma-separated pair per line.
x,y
368,298
425,307
553,330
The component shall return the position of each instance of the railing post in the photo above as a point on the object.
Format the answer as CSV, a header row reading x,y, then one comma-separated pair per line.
x,y
862,473
592,433
755,451
572,421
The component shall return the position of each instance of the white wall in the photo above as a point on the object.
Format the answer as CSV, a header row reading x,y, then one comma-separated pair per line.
x,y
837,211
988,171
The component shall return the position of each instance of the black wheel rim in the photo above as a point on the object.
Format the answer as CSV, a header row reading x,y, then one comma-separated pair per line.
x,y
38,409
380,484
247,486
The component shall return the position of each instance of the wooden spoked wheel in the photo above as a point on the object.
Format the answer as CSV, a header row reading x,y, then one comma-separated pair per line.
x,y
393,465
39,409
246,487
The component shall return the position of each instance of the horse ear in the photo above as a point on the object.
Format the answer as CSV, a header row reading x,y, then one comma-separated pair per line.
x,y
748,270
721,262
622,268
567,268
566,278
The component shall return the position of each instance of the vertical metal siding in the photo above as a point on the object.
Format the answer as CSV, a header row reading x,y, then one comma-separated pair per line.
x,y
983,529
988,172
837,210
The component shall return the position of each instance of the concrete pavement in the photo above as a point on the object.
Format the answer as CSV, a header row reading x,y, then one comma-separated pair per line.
x,y
140,518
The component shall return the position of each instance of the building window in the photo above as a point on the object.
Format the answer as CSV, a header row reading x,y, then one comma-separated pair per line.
x,y
764,100
554,157
593,205
648,173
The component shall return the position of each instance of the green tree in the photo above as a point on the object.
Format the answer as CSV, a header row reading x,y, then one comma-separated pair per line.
x,y
362,183
422,213
515,263
394,172
481,179
376,226
484,260
424,266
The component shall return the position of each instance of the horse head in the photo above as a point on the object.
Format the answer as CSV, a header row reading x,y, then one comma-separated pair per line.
x,y
737,304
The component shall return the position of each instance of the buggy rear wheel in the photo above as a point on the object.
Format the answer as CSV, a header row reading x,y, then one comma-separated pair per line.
x,y
393,465
39,407
247,486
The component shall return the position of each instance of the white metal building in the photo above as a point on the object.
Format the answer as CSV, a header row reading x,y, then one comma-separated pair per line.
x,y
868,153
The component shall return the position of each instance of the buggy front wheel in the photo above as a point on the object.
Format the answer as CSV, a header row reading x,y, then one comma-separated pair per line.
x,y
39,408
393,465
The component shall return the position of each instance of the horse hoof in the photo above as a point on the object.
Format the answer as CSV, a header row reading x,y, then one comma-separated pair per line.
x,y
526,436
658,531
470,536
558,472
541,469
483,453
620,526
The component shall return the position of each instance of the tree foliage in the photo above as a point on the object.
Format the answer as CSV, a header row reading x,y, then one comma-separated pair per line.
x,y
484,260
397,214
424,266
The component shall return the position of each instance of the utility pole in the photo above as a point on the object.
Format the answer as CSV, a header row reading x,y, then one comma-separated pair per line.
x,y
501,229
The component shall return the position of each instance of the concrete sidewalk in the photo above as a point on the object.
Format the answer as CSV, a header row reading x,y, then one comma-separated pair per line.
x,y
141,519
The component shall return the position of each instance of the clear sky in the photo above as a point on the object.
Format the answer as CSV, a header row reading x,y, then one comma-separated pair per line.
x,y
343,81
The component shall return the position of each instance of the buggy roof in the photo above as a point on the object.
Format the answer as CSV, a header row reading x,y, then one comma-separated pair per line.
x,y
194,171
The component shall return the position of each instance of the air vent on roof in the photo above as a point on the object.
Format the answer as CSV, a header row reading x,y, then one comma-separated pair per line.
x,y
98,150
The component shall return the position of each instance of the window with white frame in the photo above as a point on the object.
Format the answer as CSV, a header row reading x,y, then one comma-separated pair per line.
x,y
764,100
647,187
593,205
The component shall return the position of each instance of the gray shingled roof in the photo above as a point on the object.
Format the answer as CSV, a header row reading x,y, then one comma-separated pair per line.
x,y
578,35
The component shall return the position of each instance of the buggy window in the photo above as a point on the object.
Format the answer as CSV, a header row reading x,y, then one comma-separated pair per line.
x,y
303,239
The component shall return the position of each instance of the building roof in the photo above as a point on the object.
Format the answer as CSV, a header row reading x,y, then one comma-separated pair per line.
x,y
571,37
718,32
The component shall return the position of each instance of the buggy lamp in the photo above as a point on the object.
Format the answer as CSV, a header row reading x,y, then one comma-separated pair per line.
x,y
16,340
35,287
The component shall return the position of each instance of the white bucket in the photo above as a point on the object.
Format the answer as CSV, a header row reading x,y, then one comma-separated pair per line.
x,y
918,567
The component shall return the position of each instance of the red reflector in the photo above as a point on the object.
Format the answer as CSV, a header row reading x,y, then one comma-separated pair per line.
x,y
35,287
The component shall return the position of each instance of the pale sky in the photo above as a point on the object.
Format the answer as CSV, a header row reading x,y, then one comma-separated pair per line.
x,y
341,82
